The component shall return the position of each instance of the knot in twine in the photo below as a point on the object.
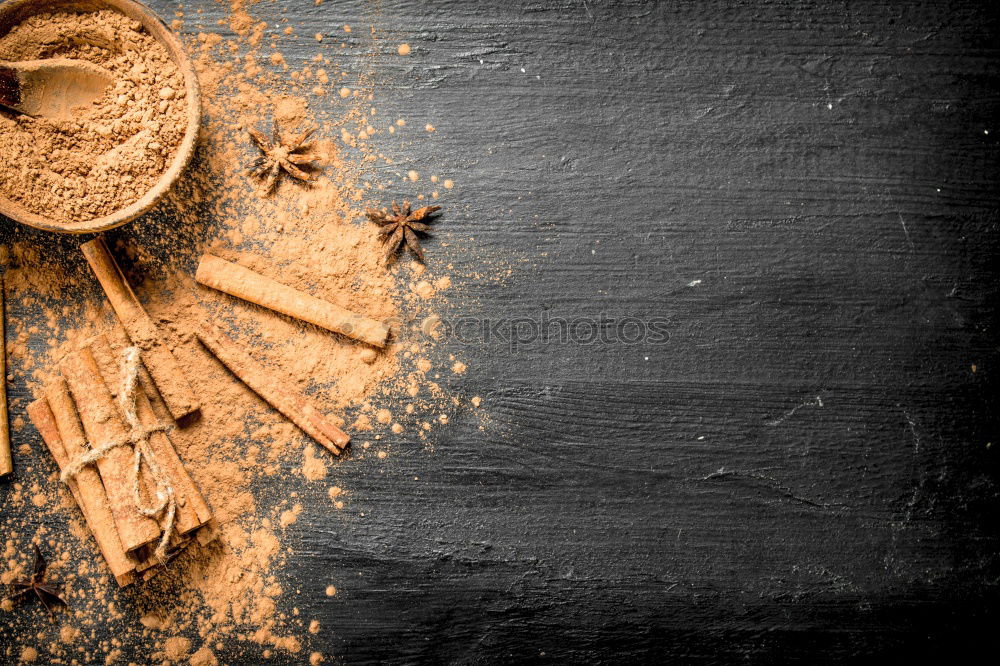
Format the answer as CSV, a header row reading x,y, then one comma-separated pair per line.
x,y
138,438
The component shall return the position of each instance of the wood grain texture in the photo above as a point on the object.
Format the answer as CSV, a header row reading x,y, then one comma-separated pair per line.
x,y
805,469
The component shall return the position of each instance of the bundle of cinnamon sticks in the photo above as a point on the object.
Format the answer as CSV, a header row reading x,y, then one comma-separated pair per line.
x,y
78,413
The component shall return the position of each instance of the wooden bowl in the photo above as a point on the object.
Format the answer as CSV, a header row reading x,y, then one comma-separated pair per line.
x,y
15,11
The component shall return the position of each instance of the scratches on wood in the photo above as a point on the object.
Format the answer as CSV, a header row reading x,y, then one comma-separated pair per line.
x,y
817,402
766,483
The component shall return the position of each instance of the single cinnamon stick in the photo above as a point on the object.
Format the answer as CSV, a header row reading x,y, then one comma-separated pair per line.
x,y
157,357
241,282
102,423
295,406
6,463
192,509
64,438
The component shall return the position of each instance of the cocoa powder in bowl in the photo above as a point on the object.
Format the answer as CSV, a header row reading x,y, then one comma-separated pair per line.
x,y
112,154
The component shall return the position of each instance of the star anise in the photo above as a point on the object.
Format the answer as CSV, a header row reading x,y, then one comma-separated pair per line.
x,y
280,156
48,595
401,227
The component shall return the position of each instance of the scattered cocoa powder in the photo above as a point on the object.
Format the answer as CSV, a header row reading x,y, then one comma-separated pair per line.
x,y
110,154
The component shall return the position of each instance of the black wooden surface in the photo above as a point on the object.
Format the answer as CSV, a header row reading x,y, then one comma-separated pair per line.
x,y
805,469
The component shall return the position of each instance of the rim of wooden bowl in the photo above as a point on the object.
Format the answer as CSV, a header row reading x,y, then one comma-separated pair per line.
x,y
13,12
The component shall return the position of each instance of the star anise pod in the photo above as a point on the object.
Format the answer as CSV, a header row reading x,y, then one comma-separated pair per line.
x,y
279,156
401,227
48,595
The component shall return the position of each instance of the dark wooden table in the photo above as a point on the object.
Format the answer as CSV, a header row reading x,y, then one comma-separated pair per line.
x,y
770,433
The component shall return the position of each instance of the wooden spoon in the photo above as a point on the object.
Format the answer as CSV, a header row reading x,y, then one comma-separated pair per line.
x,y
51,88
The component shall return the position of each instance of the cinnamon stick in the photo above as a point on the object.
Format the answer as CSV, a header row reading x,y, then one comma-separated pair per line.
x,y
241,282
102,423
192,509
56,420
156,356
295,406
6,463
